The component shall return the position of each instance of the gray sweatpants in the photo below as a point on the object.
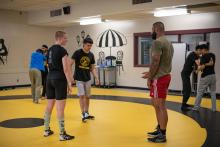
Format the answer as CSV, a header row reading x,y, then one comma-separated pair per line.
x,y
207,82
36,83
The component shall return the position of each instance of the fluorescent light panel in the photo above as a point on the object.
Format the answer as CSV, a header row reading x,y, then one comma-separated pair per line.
x,y
90,20
171,12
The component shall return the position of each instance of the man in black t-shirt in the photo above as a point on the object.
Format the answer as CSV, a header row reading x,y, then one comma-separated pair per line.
x,y
58,80
44,73
208,78
84,64
189,66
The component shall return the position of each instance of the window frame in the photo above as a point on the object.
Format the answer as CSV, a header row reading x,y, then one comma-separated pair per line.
x,y
175,32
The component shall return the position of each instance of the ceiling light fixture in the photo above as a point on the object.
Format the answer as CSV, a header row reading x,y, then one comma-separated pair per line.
x,y
90,20
171,12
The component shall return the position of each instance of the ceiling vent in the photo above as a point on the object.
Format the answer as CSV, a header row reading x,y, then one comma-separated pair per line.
x,y
134,2
54,13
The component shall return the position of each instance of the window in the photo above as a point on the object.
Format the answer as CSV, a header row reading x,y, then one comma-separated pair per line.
x,y
143,42
144,50
192,40
172,38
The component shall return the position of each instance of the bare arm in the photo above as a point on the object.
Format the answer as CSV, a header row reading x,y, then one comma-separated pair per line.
x,y
67,71
210,63
71,63
154,66
93,70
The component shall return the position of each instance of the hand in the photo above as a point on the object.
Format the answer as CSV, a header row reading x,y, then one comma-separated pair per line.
x,y
69,89
211,61
146,75
149,83
97,81
197,62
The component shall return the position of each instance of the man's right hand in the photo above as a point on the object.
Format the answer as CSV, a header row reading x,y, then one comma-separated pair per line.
x,y
69,90
145,75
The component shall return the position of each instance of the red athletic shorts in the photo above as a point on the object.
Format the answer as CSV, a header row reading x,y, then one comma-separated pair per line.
x,y
159,87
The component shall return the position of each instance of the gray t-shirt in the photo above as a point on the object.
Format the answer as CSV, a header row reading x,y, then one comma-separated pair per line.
x,y
163,47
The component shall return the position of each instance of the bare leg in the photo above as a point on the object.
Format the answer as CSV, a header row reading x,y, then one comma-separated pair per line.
x,y
60,105
48,111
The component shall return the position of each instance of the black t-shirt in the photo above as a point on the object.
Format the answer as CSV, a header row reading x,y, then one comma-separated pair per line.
x,y
83,62
55,55
208,70
190,63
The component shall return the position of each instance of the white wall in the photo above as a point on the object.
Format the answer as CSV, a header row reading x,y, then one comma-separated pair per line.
x,y
131,75
20,39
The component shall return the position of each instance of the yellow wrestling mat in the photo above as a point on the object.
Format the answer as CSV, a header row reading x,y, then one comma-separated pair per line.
x,y
117,124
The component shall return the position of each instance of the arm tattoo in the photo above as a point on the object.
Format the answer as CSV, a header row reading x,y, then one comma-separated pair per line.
x,y
154,65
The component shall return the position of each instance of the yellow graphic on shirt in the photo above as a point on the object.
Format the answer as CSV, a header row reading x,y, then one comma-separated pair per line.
x,y
84,62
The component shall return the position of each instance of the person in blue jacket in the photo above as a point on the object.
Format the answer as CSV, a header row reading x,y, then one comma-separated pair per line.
x,y
36,66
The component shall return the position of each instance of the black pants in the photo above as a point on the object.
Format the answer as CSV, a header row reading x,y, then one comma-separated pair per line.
x,y
44,82
186,87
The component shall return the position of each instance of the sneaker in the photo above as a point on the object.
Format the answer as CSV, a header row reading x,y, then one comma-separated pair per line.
x,y
36,101
89,116
48,132
84,118
214,110
188,105
185,108
195,108
64,137
158,139
153,134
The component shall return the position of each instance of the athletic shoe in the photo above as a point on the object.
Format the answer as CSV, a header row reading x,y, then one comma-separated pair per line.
x,y
48,132
153,134
84,118
158,139
185,108
89,116
195,108
188,105
36,101
64,137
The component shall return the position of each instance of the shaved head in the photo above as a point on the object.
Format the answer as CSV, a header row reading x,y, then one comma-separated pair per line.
x,y
159,26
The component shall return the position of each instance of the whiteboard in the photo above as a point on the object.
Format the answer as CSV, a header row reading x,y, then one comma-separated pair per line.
x,y
177,66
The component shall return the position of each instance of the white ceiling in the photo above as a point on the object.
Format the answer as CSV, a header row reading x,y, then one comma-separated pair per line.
x,y
31,5
108,9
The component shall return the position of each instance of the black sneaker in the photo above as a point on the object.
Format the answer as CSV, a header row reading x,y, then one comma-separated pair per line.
x,y
185,108
64,137
153,134
89,116
158,139
84,118
48,132
187,105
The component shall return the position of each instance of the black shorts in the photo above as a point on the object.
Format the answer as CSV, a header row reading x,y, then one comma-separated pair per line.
x,y
56,89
